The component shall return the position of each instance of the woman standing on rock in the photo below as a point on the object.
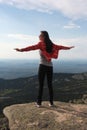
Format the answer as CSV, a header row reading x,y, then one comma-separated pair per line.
x,y
48,50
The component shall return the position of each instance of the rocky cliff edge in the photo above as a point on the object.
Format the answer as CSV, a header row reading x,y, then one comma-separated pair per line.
x,y
64,116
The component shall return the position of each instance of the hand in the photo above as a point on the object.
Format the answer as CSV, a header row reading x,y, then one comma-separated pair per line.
x,y
72,47
17,49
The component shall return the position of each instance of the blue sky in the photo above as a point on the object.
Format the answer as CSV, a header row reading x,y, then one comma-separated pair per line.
x,y
22,21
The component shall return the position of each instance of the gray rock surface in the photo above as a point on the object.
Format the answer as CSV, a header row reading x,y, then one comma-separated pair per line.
x,y
64,116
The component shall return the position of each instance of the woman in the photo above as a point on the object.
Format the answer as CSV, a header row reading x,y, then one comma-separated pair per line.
x,y
48,50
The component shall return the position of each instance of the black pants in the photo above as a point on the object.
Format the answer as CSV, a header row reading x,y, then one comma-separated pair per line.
x,y
48,72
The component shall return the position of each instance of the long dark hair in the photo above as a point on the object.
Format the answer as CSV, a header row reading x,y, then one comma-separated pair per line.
x,y
48,42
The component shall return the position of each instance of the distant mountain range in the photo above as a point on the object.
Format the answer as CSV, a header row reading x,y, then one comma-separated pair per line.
x,y
12,69
67,88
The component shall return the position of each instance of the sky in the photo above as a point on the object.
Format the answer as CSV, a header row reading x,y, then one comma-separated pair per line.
x,y
22,20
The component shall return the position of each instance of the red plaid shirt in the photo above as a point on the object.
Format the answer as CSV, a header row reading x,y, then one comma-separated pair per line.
x,y
42,47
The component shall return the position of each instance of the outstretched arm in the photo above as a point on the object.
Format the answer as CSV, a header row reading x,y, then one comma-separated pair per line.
x,y
64,47
29,48
67,48
17,49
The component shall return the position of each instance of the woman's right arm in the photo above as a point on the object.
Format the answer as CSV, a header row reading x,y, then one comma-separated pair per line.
x,y
29,48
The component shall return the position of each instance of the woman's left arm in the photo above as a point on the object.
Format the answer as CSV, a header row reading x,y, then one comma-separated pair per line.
x,y
64,47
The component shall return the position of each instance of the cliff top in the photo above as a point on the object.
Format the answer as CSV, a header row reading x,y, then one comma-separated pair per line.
x,y
64,116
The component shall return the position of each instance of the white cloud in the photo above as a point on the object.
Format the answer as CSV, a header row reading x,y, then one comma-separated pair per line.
x,y
8,52
23,37
11,41
71,25
72,9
